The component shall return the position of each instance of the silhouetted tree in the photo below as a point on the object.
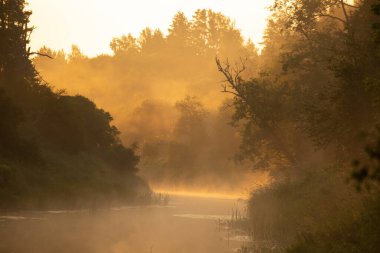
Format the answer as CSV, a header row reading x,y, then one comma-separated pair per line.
x,y
179,32
124,44
52,144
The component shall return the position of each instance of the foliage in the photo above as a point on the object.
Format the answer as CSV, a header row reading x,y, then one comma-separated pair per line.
x,y
289,210
147,84
356,235
368,170
326,91
55,150
314,104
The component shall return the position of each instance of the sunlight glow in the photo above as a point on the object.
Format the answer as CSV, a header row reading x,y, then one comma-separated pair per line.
x,y
91,24
201,194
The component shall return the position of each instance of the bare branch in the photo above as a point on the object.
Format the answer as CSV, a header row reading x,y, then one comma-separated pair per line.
x,y
231,92
226,72
238,70
344,9
351,6
233,79
333,17
41,54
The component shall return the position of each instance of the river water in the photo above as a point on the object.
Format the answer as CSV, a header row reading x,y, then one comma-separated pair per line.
x,y
187,224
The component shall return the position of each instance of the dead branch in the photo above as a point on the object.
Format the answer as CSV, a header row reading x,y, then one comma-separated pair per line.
x,y
232,76
351,6
344,9
333,17
41,54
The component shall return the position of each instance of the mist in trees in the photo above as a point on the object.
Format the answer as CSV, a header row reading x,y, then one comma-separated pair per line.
x,y
307,116
198,107
164,91
303,111
56,150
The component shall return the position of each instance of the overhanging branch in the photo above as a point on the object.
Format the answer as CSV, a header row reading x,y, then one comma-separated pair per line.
x,y
333,17
41,54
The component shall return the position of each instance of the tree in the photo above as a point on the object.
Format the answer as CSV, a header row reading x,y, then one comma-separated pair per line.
x,y
9,124
75,124
151,41
262,106
47,137
213,33
124,45
76,54
327,86
179,32
15,67
190,126
367,170
199,31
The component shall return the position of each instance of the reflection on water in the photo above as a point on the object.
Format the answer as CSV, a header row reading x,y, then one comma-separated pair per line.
x,y
7,217
189,224
203,216
240,238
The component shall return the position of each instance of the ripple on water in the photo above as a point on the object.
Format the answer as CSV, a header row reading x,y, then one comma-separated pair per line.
x,y
16,218
203,216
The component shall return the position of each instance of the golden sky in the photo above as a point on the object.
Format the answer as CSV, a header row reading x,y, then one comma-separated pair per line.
x,y
91,24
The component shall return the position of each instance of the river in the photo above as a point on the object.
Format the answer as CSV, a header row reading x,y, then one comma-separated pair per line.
x,y
187,224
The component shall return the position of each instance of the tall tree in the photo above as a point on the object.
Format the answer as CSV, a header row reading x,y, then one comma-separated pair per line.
x,y
15,66
179,32
151,41
124,44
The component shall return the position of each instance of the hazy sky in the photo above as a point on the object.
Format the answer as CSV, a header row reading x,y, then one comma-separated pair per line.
x,y
91,24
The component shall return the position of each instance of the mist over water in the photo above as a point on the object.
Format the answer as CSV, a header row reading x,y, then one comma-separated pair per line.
x,y
163,134
187,224
191,140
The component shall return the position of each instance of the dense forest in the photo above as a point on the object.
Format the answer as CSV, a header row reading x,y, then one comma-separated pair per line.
x,y
305,111
56,150
164,91
297,122
311,117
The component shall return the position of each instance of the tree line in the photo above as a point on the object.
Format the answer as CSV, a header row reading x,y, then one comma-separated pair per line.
x,y
164,91
56,150
311,118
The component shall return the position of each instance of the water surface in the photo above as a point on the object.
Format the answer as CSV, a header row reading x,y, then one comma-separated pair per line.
x,y
186,225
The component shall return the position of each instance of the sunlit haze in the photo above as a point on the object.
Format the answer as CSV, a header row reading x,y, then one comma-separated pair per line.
x,y
189,126
91,24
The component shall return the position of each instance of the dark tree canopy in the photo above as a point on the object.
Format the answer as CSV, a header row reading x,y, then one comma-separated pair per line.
x,y
48,137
